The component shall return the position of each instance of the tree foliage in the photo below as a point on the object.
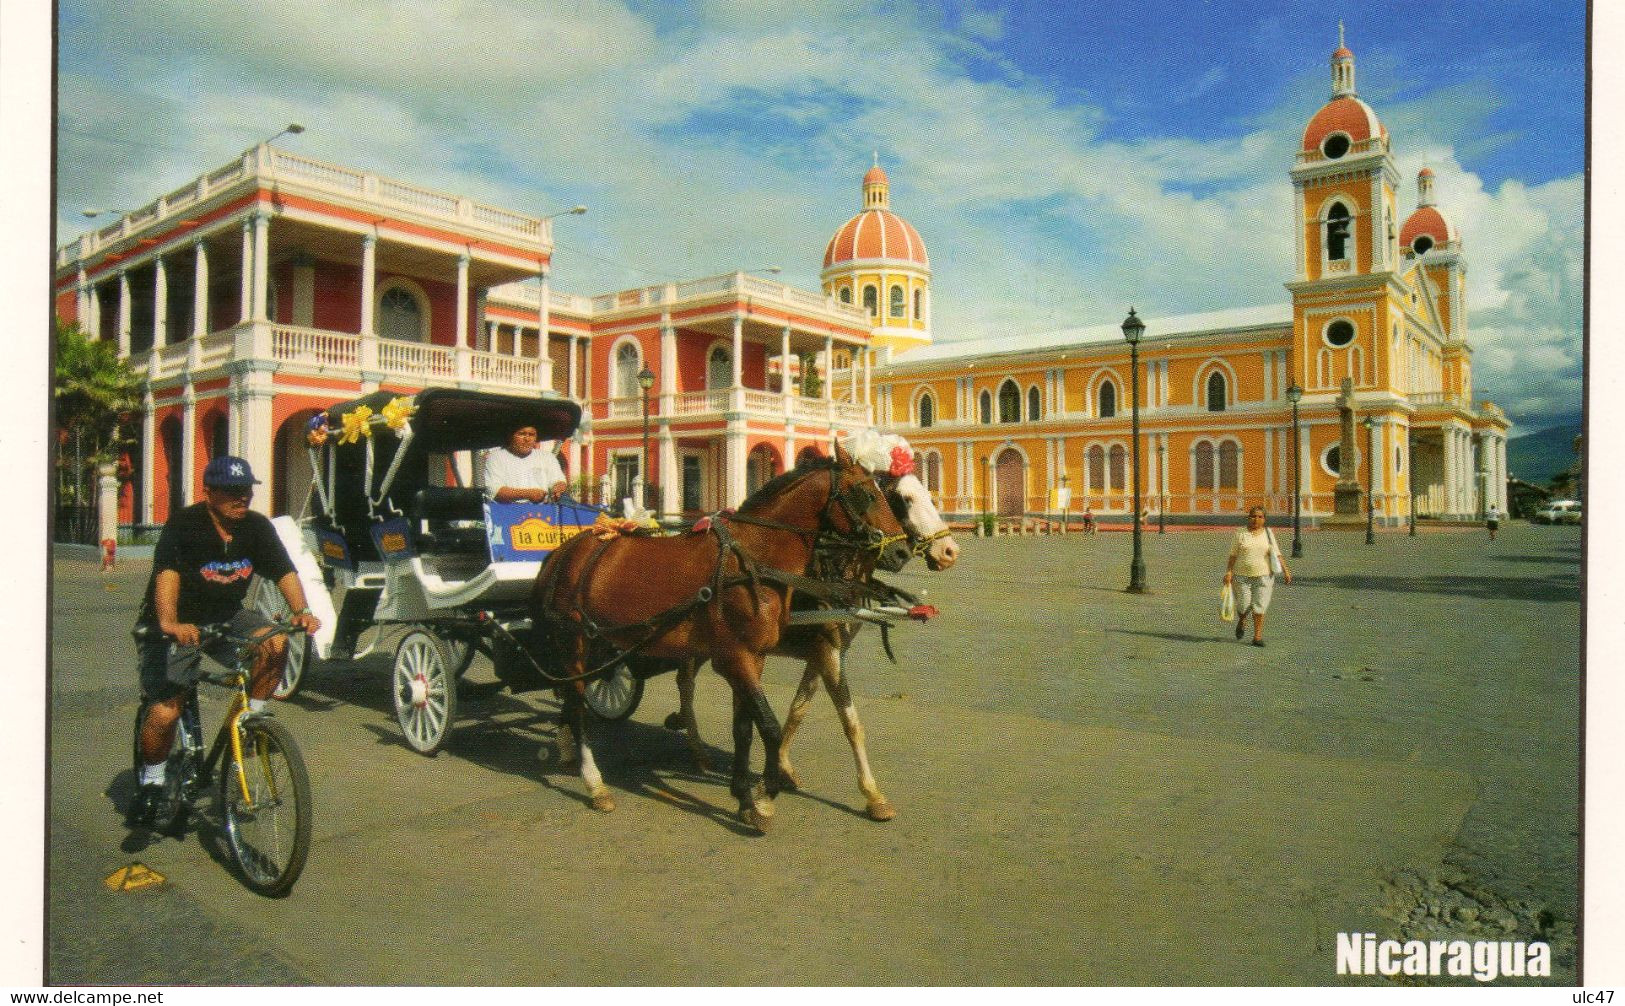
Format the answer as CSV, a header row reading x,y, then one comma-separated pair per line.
x,y
93,396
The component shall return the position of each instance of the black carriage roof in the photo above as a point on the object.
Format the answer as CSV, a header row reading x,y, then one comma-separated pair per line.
x,y
452,419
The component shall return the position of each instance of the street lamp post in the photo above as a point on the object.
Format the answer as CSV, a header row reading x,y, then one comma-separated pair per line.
x,y
646,380
292,128
1410,487
1370,476
1066,502
574,211
1294,394
1133,329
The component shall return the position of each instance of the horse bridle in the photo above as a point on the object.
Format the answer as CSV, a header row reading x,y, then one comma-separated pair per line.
x,y
853,502
919,544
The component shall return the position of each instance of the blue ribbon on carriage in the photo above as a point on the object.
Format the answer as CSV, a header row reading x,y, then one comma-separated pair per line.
x,y
529,532
393,538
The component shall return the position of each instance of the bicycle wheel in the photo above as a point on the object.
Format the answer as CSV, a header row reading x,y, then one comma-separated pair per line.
x,y
268,828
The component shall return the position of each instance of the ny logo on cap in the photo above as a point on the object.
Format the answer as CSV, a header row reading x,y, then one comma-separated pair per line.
x,y
236,469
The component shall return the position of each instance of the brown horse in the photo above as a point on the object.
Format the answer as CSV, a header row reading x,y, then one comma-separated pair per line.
x,y
722,593
823,648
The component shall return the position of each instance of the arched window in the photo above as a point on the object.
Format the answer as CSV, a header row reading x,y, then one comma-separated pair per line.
x,y
932,472
928,410
1337,233
1035,403
846,295
1215,392
919,305
627,364
1097,467
719,371
1108,400
400,316
1204,466
1229,465
1009,403
985,407
871,300
1119,458
899,304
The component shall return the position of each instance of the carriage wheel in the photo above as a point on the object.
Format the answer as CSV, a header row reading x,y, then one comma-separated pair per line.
x,y
615,694
269,602
425,690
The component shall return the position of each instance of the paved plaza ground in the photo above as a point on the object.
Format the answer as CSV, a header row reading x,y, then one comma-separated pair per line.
x,y
1093,787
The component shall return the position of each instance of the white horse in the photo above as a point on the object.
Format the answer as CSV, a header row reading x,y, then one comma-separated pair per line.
x,y
823,646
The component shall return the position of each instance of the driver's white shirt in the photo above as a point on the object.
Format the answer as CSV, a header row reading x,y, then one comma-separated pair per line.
x,y
537,470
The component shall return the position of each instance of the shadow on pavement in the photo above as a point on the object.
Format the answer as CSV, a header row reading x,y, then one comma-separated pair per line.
x,y
1558,587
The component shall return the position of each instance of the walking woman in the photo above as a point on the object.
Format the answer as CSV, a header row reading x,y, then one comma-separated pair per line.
x,y
1249,572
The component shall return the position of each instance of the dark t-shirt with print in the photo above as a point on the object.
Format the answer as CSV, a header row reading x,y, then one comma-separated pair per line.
x,y
214,574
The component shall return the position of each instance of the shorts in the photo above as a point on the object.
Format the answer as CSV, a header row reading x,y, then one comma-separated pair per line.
x,y
1252,593
168,669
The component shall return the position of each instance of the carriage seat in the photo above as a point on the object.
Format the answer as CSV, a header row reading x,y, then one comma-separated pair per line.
x,y
450,520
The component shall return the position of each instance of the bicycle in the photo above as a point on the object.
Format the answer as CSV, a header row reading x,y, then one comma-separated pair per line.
x,y
264,790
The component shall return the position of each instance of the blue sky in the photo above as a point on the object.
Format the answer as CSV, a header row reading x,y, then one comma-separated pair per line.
x,y
1061,161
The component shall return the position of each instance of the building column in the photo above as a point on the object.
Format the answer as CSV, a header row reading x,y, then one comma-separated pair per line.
x,y
262,266
571,377
93,321
188,445
668,366
736,377
829,363
149,432
544,320
82,306
123,313
671,483
245,296
465,369
252,395
367,355
784,371
200,289
160,303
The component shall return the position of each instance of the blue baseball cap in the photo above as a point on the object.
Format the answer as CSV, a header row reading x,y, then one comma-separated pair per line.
x,y
228,472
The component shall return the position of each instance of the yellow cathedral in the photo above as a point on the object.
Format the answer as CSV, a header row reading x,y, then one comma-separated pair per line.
x,y
1372,352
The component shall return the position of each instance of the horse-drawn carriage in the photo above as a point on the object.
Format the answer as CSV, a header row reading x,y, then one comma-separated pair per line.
x,y
409,543
399,538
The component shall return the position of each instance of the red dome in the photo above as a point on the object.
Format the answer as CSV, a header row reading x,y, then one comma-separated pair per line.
x,y
875,176
1347,114
1425,173
1429,221
876,234
1342,53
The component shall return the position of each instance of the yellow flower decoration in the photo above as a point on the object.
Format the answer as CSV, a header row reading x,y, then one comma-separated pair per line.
x,y
355,425
398,411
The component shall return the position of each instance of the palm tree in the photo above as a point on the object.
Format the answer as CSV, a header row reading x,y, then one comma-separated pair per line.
x,y
94,394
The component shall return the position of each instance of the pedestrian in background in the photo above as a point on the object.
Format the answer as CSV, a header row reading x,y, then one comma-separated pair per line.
x,y
1492,520
1250,572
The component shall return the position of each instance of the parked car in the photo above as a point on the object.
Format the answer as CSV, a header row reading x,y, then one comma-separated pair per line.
x,y
1559,512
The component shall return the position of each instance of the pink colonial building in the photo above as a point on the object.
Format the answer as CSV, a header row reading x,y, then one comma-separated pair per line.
x,y
276,285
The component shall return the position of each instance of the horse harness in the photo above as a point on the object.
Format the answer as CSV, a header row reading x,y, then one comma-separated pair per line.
x,y
829,546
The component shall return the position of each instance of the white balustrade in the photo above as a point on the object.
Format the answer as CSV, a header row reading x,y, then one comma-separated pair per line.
x,y
416,360
315,347
500,368
411,195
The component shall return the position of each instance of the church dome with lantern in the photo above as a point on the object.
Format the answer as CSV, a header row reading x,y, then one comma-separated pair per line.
x,y
1426,228
877,261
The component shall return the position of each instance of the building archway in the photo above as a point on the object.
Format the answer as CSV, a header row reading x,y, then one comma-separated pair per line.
x,y
1009,473
761,464
290,466
175,473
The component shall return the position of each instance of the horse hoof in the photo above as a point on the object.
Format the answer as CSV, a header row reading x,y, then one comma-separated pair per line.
x,y
755,817
603,802
881,810
788,778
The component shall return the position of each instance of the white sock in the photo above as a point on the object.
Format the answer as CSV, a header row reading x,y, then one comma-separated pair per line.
x,y
153,775
256,705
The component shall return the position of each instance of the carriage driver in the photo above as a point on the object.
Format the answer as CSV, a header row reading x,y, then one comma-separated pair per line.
x,y
206,556
523,470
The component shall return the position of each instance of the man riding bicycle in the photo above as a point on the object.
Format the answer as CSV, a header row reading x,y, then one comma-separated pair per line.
x,y
201,569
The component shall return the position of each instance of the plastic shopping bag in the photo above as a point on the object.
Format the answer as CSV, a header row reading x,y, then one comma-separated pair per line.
x,y
1227,604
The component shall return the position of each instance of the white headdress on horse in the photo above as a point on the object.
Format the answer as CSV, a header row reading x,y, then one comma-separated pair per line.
x,y
881,453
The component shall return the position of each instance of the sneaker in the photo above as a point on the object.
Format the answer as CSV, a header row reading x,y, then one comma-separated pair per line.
x,y
148,799
1258,642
